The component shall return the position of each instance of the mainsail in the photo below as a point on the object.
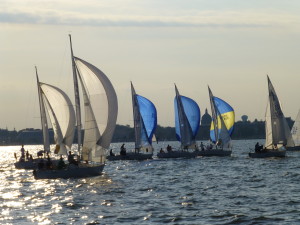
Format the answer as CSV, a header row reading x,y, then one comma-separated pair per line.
x,y
61,114
277,129
222,120
145,121
101,109
187,119
296,130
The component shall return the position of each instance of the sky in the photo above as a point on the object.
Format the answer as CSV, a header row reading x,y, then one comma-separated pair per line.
x,y
229,45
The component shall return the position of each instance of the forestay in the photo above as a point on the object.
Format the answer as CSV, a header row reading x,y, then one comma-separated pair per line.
x,y
187,119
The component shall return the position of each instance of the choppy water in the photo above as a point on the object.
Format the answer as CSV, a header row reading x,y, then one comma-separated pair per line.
x,y
229,190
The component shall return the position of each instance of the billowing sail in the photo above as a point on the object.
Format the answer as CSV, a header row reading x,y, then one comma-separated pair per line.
x,y
225,112
101,109
62,116
187,119
44,123
296,130
145,122
278,131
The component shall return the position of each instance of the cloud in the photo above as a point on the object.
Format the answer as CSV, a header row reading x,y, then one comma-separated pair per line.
x,y
125,16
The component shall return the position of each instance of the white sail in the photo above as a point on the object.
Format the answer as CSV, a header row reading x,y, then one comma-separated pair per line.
x,y
268,126
62,116
277,129
101,108
296,130
44,123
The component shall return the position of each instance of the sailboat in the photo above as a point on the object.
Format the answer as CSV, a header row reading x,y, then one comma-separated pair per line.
x,y
145,122
277,131
101,109
62,117
295,145
187,122
222,125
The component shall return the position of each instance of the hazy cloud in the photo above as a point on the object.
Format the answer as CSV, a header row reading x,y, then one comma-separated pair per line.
x,y
93,14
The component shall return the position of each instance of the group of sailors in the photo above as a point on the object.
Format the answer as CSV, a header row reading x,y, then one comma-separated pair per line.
x,y
25,156
260,148
202,147
122,151
45,162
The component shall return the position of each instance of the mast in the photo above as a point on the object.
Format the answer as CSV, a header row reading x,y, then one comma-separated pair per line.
x,y
43,116
180,113
136,118
77,99
214,115
186,135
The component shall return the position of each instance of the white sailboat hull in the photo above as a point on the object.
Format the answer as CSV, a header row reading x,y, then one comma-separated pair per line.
x,y
71,171
215,152
267,154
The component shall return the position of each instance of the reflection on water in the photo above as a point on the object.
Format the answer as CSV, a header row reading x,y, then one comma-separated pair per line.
x,y
212,190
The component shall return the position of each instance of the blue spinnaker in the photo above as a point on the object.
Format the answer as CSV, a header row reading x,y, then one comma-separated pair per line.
x,y
191,113
149,118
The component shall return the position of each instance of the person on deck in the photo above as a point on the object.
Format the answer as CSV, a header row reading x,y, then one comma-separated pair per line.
x,y
27,155
111,153
61,163
257,147
22,153
202,146
169,148
71,159
220,143
123,150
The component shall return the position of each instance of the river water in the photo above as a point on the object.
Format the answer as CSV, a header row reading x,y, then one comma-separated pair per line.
x,y
215,190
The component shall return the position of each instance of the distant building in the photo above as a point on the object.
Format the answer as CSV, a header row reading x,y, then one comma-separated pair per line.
x,y
206,119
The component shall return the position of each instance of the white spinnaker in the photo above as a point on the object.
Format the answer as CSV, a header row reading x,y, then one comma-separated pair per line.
x,y
62,116
101,109
296,130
